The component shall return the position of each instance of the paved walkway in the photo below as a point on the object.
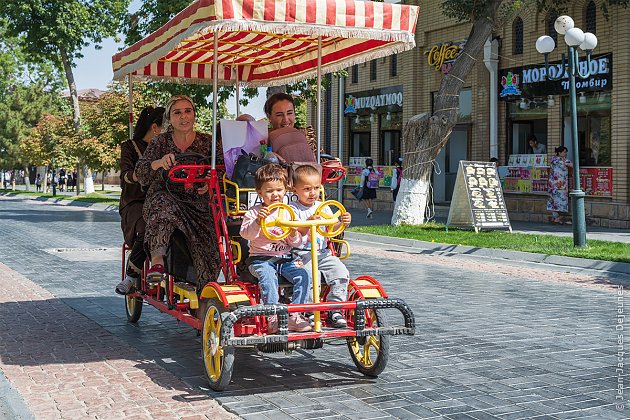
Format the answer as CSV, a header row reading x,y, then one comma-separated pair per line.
x,y
65,366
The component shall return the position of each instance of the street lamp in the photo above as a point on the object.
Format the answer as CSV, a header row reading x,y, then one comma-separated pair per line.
x,y
573,37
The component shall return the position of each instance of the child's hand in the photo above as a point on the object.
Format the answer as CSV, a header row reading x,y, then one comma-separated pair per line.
x,y
314,217
262,214
346,218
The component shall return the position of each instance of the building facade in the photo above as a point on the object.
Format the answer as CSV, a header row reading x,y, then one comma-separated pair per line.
x,y
364,113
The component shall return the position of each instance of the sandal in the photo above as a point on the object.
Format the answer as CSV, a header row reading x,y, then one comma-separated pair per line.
x,y
155,274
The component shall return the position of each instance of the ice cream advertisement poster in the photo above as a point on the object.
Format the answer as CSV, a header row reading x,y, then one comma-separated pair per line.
x,y
353,175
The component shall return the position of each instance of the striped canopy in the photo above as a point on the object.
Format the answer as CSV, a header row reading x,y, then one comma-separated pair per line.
x,y
268,42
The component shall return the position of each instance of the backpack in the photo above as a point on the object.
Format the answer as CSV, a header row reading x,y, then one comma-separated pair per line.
x,y
372,180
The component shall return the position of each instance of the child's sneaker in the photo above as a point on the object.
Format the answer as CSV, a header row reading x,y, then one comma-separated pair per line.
x,y
272,324
125,286
337,320
298,323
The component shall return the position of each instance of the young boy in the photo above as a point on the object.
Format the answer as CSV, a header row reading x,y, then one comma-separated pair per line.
x,y
267,258
307,185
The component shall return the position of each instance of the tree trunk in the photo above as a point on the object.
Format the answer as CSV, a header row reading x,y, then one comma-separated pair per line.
x,y
76,114
103,180
424,137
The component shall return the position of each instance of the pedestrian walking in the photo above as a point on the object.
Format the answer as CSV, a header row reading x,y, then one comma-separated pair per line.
x,y
396,179
558,201
368,186
38,182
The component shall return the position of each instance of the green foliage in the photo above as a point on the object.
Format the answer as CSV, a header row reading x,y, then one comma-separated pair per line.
x,y
20,110
542,244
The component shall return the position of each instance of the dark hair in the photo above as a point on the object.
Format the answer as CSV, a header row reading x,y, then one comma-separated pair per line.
x,y
493,159
561,149
369,162
275,98
148,116
270,172
532,138
302,171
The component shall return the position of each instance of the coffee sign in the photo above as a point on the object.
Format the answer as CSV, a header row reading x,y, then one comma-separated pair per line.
x,y
442,56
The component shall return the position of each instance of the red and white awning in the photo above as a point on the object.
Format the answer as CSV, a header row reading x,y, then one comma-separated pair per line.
x,y
269,42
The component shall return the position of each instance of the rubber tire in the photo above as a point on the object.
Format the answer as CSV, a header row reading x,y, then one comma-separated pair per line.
x,y
227,361
378,366
133,307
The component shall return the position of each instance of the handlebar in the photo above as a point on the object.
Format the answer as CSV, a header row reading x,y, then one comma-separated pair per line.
x,y
286,224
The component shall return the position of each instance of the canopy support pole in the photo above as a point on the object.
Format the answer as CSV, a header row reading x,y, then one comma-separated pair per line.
x,y
215,97
130,107
319,97
238,89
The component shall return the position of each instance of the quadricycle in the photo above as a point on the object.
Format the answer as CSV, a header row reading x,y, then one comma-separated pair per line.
x,y
256,43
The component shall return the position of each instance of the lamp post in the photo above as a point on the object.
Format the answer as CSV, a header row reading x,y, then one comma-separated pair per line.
x,y
573,37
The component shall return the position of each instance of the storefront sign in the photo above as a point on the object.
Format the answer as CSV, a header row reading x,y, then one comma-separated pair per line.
x,y
596,182
532,81
442,56
478,198
391,99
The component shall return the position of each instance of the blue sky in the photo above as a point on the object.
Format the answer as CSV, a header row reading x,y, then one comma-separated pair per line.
x,y
95,71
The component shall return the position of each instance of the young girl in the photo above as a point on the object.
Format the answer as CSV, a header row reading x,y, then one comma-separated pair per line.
x,y
268,258
369,184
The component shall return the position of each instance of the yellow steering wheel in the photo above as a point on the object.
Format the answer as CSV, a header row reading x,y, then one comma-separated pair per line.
x,y
320,212
286,230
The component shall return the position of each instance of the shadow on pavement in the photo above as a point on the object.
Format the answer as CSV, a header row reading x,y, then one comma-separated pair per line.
x,y
47,216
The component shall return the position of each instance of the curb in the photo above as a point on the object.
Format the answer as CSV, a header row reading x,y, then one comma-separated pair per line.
x,y
63,202
497,254
11,401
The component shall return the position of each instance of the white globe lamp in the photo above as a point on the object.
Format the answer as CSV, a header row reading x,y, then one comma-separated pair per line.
x,y
563,24
545,44
574,37
590,42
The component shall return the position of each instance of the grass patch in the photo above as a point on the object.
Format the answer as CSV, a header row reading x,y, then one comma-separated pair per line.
x,y
541,244
96,197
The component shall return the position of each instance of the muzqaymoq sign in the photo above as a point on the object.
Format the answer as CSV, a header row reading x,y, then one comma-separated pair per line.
x,y
390,98
442,56
531,81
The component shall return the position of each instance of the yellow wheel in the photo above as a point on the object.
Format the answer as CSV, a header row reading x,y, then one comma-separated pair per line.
x,y
133,305
218,360
336,215
283,210
370,354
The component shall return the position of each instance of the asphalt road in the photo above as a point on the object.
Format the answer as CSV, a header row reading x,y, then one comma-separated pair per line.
x,y
494,339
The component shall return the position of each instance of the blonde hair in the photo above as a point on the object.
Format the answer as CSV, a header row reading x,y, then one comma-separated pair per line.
x,y
167,126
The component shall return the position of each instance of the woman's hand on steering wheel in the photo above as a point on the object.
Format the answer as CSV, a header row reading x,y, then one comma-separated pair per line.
x,y
203,189
166,162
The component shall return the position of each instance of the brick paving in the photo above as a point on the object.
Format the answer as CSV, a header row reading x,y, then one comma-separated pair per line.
x,y
66,366
495,340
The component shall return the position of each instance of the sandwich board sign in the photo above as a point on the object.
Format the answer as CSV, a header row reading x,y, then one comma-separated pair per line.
x,y
478,198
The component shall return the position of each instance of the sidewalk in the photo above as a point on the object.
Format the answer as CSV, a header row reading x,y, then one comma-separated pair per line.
x,y
66,366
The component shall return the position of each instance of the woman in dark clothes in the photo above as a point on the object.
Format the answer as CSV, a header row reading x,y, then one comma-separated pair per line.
x,y
164,210
132,196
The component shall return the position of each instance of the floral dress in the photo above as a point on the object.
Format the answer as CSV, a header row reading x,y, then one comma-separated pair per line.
x,y
165,211
558,185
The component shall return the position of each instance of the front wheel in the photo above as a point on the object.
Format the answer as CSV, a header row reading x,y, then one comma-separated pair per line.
x,y
370,354
133,305
218,360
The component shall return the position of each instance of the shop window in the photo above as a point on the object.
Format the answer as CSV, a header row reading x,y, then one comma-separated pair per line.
x,y
526,118
517,34
551,30
590,17
594,129
390,138
465,105
373,65
355,73
360,137
393,65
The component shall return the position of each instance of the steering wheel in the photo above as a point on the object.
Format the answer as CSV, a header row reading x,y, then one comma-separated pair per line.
x,y
336,215
286,230
187,175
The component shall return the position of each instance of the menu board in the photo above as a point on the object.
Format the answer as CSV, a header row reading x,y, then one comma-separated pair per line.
x,y
596,182
478,198
528,160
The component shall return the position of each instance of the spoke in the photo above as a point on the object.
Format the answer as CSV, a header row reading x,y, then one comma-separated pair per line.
x,y
372,341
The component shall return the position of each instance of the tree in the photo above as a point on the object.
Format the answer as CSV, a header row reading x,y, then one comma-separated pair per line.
x,y
425,135
55,31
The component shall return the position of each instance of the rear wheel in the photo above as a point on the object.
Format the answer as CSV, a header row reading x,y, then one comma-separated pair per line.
x,y
370,354
133,305
218,360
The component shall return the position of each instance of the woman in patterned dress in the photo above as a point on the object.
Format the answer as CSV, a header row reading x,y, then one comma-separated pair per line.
x,y
558,201
164,210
